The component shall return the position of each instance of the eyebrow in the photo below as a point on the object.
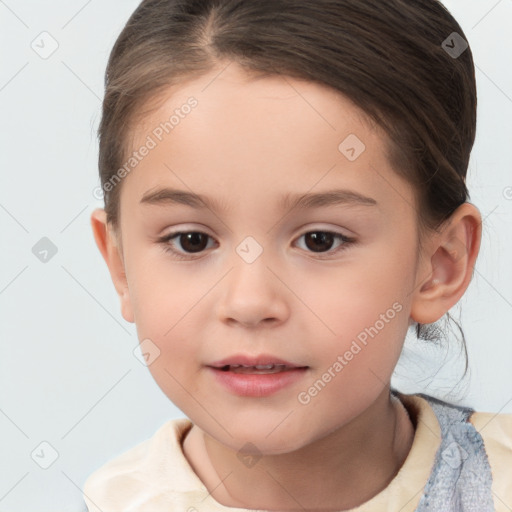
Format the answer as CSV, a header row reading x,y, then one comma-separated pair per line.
x,y
170,196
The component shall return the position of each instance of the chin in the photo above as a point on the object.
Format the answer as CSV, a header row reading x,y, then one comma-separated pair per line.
x,y
260,437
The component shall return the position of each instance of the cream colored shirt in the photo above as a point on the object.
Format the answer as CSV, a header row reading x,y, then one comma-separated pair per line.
x,y
155,476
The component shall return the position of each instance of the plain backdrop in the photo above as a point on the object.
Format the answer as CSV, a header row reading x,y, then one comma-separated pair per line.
x,y
73,394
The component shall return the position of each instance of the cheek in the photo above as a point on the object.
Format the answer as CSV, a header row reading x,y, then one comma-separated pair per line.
x,y
346,300
361,312
165,308
176,369
164,294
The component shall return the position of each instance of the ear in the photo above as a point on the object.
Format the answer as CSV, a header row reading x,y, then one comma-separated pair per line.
x,y
447,269
111,250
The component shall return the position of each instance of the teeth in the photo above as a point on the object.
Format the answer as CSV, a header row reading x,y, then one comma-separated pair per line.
x,y
259,368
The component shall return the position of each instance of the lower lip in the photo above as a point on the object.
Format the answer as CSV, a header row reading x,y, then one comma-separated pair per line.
x,y
259,385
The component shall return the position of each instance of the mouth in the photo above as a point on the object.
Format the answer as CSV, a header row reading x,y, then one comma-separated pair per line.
x,y
258,369
256,376
258,365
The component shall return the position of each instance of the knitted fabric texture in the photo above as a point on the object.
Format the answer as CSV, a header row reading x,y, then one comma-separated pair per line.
x,y
461,477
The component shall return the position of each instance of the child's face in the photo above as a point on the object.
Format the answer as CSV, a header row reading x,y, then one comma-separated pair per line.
x,y
246,145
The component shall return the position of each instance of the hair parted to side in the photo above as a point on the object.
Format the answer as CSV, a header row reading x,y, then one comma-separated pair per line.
x,y
384,55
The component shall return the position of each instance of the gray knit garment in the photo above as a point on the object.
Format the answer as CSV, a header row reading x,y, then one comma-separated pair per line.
x,y
461,477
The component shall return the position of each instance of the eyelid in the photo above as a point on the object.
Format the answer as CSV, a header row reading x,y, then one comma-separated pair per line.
x,y
305,228
325,227
302,230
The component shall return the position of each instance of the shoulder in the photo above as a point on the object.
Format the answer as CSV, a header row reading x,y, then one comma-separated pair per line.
x,y
147,473
481,444
496,433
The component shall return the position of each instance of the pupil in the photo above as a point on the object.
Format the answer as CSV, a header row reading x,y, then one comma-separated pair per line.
x,y
322,238
194,238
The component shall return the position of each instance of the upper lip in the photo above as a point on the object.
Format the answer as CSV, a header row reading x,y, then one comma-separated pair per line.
x,y
248,360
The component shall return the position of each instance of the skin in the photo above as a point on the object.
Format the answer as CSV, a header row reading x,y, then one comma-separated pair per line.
x,y
248,142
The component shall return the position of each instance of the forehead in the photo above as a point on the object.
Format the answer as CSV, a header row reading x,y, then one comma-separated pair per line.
x,y
250,136
249,97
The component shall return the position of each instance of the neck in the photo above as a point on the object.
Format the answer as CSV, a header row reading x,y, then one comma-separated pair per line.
x,y
342,470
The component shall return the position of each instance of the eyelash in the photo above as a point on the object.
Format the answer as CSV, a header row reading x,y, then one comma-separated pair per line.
x,y
347,242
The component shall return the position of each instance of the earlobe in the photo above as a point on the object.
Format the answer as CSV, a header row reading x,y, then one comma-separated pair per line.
x,y
446,274
111,251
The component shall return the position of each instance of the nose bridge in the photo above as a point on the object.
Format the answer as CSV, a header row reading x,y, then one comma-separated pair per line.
x,y
253,293
251,276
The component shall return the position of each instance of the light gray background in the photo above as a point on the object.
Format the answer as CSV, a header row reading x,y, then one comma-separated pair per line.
x,y
69,376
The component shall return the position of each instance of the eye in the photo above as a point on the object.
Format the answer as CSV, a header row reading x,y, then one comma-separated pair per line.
x,y
193,242
322,241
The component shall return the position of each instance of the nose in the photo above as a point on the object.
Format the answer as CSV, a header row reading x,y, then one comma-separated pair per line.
x,y
253,294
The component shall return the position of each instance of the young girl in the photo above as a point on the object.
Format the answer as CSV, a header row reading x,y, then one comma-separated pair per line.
x,y
315,153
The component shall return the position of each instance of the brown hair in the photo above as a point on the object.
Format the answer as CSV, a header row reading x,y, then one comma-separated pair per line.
x,y
387,56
